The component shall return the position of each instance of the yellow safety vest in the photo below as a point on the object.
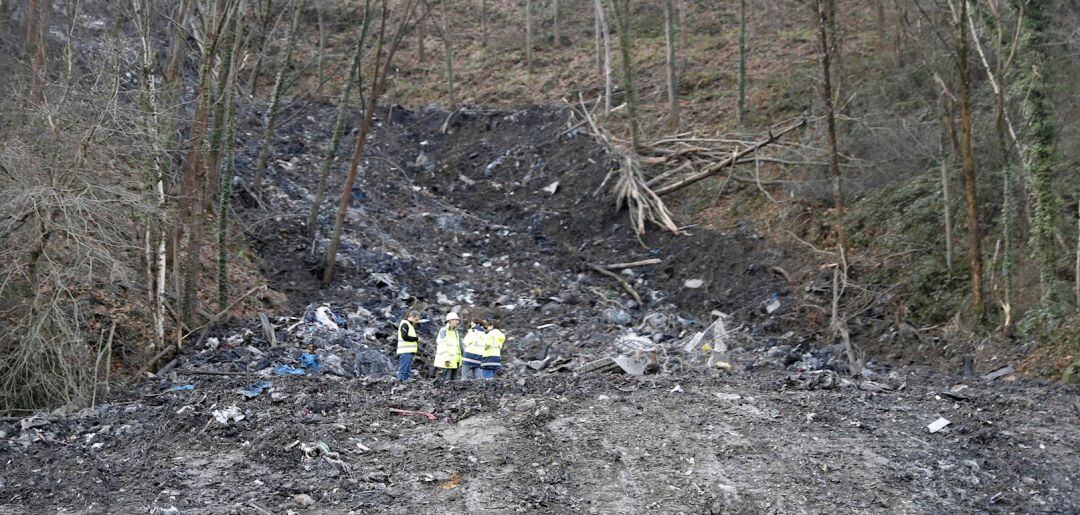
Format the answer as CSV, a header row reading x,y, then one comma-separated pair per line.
x,y
495,341
475,342
403,346
447,348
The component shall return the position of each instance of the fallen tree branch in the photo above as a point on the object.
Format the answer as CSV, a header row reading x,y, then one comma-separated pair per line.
x,y
715,168
634,264
192,372
626,286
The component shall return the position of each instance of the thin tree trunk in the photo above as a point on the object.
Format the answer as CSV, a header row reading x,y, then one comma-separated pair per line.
x,y
622,17
826,41
275,104
528,37
483,24
968,165
448,54
605,71
672,82
741,108
321,51
1039,135
234,44
339,127
684,33
1077,271
378,81
948,213
30,29
42,29
196,162
421,51
557,39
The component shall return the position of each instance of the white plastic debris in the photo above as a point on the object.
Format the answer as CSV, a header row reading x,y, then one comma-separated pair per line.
x,y
937,425
325,318
694,284
552,188
233,413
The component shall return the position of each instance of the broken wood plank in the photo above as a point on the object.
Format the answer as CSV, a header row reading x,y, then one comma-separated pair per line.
x,y
1001,372
600,365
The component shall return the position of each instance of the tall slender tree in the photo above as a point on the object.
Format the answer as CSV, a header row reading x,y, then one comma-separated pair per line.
x,y
528,37
231,67
603,59
380,71
353,80
826,44
967,159
741,108
621,9
1034,78
672,79
274,110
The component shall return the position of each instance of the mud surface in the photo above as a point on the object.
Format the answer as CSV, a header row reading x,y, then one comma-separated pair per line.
x,y
460,219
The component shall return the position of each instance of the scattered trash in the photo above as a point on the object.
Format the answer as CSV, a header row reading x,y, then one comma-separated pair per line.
x,y
309,361
32,422
694,284
956,393
325,318
255,390
552,188
1001,372
676,389
182,388
304,500
774,303
429,416
288,370
232,413
617,316
937,425
813,380
454,482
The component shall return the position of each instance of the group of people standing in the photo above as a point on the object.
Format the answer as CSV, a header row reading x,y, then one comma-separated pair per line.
x,y
476,356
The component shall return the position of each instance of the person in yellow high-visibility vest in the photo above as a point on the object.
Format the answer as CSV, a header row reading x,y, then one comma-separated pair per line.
x,y
448,349
473,357
493,345
408,343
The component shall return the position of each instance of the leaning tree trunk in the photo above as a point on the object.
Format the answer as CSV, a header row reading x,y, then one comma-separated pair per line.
x,y
339,128
275,104
672,82
557,37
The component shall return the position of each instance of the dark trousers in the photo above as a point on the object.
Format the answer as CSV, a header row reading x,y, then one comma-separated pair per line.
x,y
404,367
449,374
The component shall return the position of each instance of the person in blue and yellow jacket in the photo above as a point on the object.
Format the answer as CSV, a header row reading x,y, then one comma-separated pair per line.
x,y
448,349
473,357
408,343
492,350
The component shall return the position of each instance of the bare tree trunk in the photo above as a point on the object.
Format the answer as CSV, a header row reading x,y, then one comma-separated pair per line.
x,y
378,81
528,37
275,103
339,126
30,28
948,212
1077,271
557,39
741,108
826,41
320,52
42,29
673,92
605,70
231,65
684,33
448,53
483,24
622,17
968,164
421,51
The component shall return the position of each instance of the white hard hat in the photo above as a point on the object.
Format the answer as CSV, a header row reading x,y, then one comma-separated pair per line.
x,y
452,316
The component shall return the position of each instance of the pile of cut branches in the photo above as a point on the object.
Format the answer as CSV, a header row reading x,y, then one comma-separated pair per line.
x,y
671,164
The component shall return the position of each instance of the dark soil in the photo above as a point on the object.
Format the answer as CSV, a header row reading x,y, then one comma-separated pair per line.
x,y
460,219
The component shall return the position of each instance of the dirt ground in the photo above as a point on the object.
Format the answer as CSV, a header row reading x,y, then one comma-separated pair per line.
x,y
461,219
